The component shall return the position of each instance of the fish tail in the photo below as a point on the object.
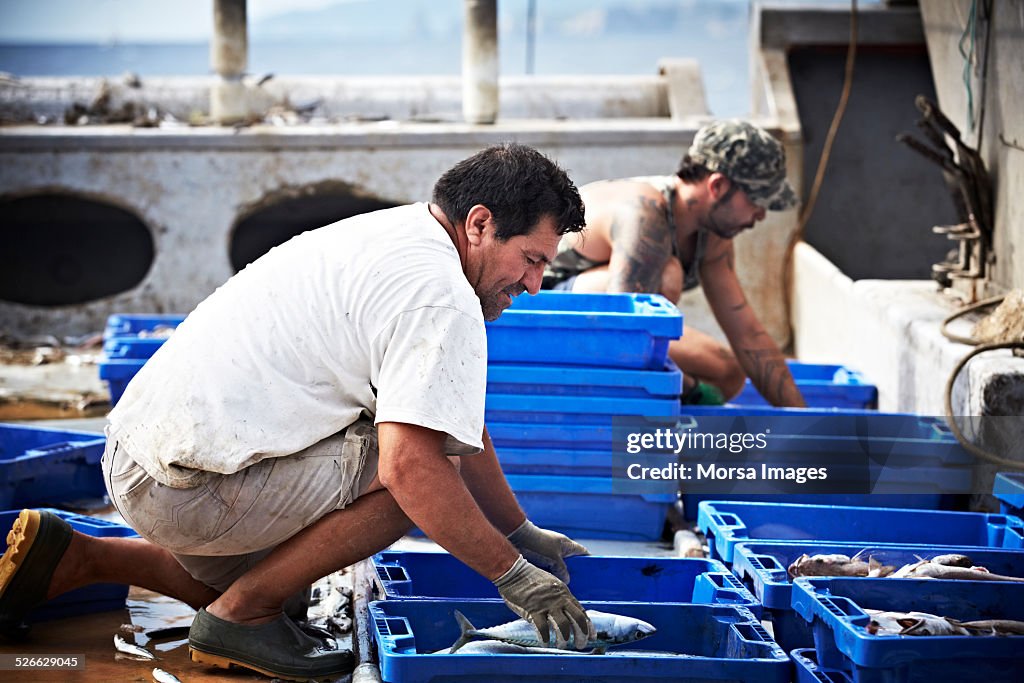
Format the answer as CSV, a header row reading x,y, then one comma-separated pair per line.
x,y
467,628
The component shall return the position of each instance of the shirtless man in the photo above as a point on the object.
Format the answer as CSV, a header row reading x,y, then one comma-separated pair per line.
x,y
669,234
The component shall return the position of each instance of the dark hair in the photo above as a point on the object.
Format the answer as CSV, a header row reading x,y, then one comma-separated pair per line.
x,y
691,171
518,184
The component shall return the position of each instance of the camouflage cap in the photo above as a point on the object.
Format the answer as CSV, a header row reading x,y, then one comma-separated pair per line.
x,y
750,157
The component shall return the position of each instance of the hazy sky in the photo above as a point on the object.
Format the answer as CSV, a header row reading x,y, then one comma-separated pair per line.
x,y
133,20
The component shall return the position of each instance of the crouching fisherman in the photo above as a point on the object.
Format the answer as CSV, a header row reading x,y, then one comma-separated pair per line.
x,y
311,411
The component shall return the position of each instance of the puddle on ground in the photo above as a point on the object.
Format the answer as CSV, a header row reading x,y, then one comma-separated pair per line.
x,y
92,637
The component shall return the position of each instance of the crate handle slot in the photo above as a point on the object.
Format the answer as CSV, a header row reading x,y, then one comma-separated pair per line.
x,y
392,572
726,519
767,562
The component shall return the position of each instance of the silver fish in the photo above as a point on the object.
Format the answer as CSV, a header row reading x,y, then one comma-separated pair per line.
x,y
836,564
497,647
930,570
996,627
132,650
161,676
610,629
913,624
953,560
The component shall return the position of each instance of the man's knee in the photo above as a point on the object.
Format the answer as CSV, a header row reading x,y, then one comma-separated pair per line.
x,y
732,380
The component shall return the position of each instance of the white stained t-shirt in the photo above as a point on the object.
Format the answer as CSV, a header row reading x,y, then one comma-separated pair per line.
x,y
371,314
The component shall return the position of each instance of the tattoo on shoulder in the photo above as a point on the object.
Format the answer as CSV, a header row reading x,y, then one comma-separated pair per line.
x,y
643,241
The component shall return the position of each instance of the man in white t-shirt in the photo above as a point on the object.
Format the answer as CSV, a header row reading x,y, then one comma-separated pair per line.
x,y
313,409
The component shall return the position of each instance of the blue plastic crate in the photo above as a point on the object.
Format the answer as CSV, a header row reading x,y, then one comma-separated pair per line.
x,y
606,330
587,507
41,466
833,386
763,567
835,608
805,662
131,347
568,380
555,462
714,643
437,576
1008,487
124,324
574,409
563,431
118,373
727,523
99,597
909,501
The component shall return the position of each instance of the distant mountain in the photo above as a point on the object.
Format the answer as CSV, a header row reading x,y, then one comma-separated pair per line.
x,y
403,19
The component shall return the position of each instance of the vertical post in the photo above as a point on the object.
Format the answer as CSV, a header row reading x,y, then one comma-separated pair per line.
x,y
229,51
480,62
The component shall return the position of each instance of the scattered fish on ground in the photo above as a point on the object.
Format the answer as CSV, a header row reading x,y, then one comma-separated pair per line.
x,y
610,629
924,624
131,650
161,676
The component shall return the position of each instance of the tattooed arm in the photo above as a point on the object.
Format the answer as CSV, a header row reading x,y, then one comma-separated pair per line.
x,y
641,245
755,350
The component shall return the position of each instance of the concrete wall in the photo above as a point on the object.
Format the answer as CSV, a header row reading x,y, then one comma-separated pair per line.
x,y
1000,122
189,186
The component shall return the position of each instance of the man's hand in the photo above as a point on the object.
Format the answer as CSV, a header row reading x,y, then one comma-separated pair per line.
x,y
546,549
540,598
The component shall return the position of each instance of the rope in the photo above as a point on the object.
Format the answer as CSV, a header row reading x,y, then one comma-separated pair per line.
x,y
970,447
993,301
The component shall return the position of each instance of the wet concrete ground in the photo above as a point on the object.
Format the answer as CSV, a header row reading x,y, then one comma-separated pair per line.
x,y
92,638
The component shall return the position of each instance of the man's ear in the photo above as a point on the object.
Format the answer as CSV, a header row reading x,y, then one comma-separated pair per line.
x,y
718,185
478,221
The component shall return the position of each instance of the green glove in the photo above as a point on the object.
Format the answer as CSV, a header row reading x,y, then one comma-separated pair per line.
x,y
546,549
702,394
540,598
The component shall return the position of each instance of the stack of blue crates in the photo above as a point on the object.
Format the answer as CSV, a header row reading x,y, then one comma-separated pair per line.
x,y
707,623
99,597
760,541
560,366
822,386
43,466
128,342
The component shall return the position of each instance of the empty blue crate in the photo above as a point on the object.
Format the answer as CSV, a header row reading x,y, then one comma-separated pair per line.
x,y
727,523
118,373
832,386
436,576
1009,489
568,381
42,466
693,643
146,324
763,567
99,597
588,507
835,607
606,330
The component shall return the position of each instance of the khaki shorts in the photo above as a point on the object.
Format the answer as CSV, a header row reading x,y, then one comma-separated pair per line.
x,y
220,529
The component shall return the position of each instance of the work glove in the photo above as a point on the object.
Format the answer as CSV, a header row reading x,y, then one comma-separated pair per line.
x,y
541,599
546,549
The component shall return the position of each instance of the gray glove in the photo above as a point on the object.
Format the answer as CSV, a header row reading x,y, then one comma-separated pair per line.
x,y
540,598
546,549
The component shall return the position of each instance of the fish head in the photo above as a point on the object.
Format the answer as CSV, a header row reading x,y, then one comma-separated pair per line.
x,y
617,628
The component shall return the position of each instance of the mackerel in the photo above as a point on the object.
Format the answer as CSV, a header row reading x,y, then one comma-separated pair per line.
x,y
609,629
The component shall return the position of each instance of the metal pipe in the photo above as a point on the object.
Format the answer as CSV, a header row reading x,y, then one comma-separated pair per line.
x,y
480,62
229,53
